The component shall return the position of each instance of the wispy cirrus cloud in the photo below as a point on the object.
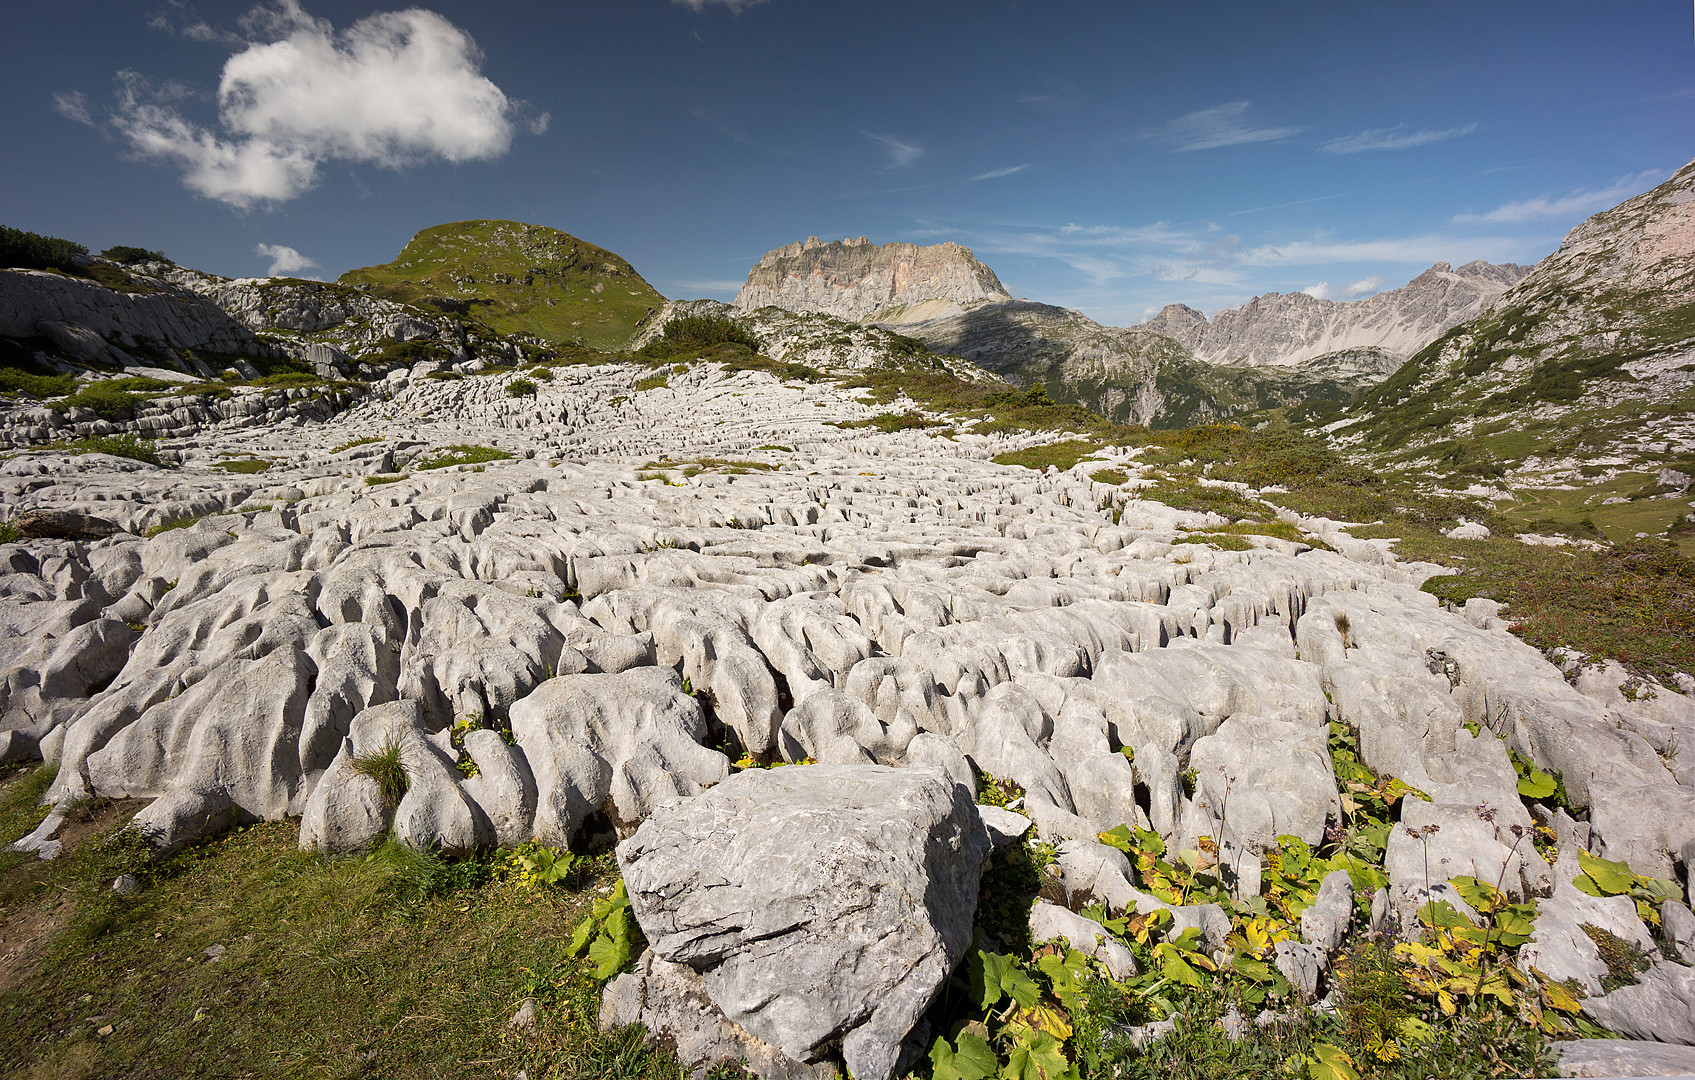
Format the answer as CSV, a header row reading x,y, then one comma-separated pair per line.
x,y
1580,203
902,152
73,106
735,7
1395,138
1219,126
996,174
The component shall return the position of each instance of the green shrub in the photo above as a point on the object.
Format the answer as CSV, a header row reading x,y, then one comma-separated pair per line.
x,y
106,400
520,388
125,446
35,380
464,454
889,423
125,254
287,380
32,251
708,330
8,532
654,382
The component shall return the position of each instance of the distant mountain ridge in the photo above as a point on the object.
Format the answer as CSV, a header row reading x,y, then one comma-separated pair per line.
x,y
865,282
1282,329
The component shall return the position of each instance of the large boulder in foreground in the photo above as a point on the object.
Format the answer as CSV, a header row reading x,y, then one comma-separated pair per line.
x,y
822,905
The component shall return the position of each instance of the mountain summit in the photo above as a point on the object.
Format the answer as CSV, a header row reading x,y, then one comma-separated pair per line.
x,y
519,279
861,281
1284,329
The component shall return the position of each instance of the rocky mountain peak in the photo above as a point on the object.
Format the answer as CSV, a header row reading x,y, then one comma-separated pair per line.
x,y
1285,329
857,280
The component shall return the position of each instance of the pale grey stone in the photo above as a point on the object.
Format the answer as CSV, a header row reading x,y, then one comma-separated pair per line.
x,y
1624,1057
840,898
1050,921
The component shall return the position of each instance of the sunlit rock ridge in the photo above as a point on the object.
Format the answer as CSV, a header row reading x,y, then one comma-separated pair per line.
x,y
1284,329
856,279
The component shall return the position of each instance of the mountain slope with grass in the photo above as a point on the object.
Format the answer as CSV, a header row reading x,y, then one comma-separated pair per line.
x,y
1576,390
518,278
1131,375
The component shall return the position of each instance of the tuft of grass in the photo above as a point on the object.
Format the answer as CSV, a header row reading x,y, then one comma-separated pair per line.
x,y
387,478
654,382
245,466
1109,476
8,532
1222,541
464,454
520,388
775,447
173,523
366,441
387,769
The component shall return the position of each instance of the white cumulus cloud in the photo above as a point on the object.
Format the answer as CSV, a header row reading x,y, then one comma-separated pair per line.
x,y
1321,291
1363,287
1395,138
1580,203
393,89
284,260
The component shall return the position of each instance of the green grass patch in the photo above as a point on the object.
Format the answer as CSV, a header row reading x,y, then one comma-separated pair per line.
x,y
171,524
125,446
1634,603
520,388
398,964
374,481
1222,541
244,466
366,441
654,382
518,279
1109,476
1060,455
463,454
889,423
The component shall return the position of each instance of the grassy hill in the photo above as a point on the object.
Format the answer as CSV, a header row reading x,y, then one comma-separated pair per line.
x,y
1576,393
518,278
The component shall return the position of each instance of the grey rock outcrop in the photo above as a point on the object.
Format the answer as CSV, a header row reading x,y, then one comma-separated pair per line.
x,y
822,905
1625,1057
856,279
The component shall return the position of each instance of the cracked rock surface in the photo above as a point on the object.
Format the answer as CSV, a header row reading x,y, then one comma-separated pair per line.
x,y
655,576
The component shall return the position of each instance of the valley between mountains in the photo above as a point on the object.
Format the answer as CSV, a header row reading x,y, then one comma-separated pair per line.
x,y
483,665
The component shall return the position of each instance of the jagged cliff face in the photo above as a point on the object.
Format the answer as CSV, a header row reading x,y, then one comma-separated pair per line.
x,y
1282,329
858,280
1585,366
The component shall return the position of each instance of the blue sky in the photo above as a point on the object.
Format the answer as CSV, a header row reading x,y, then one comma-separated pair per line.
x,y
1108,156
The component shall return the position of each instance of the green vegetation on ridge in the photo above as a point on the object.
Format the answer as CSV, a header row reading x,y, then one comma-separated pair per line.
x,y
518,278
